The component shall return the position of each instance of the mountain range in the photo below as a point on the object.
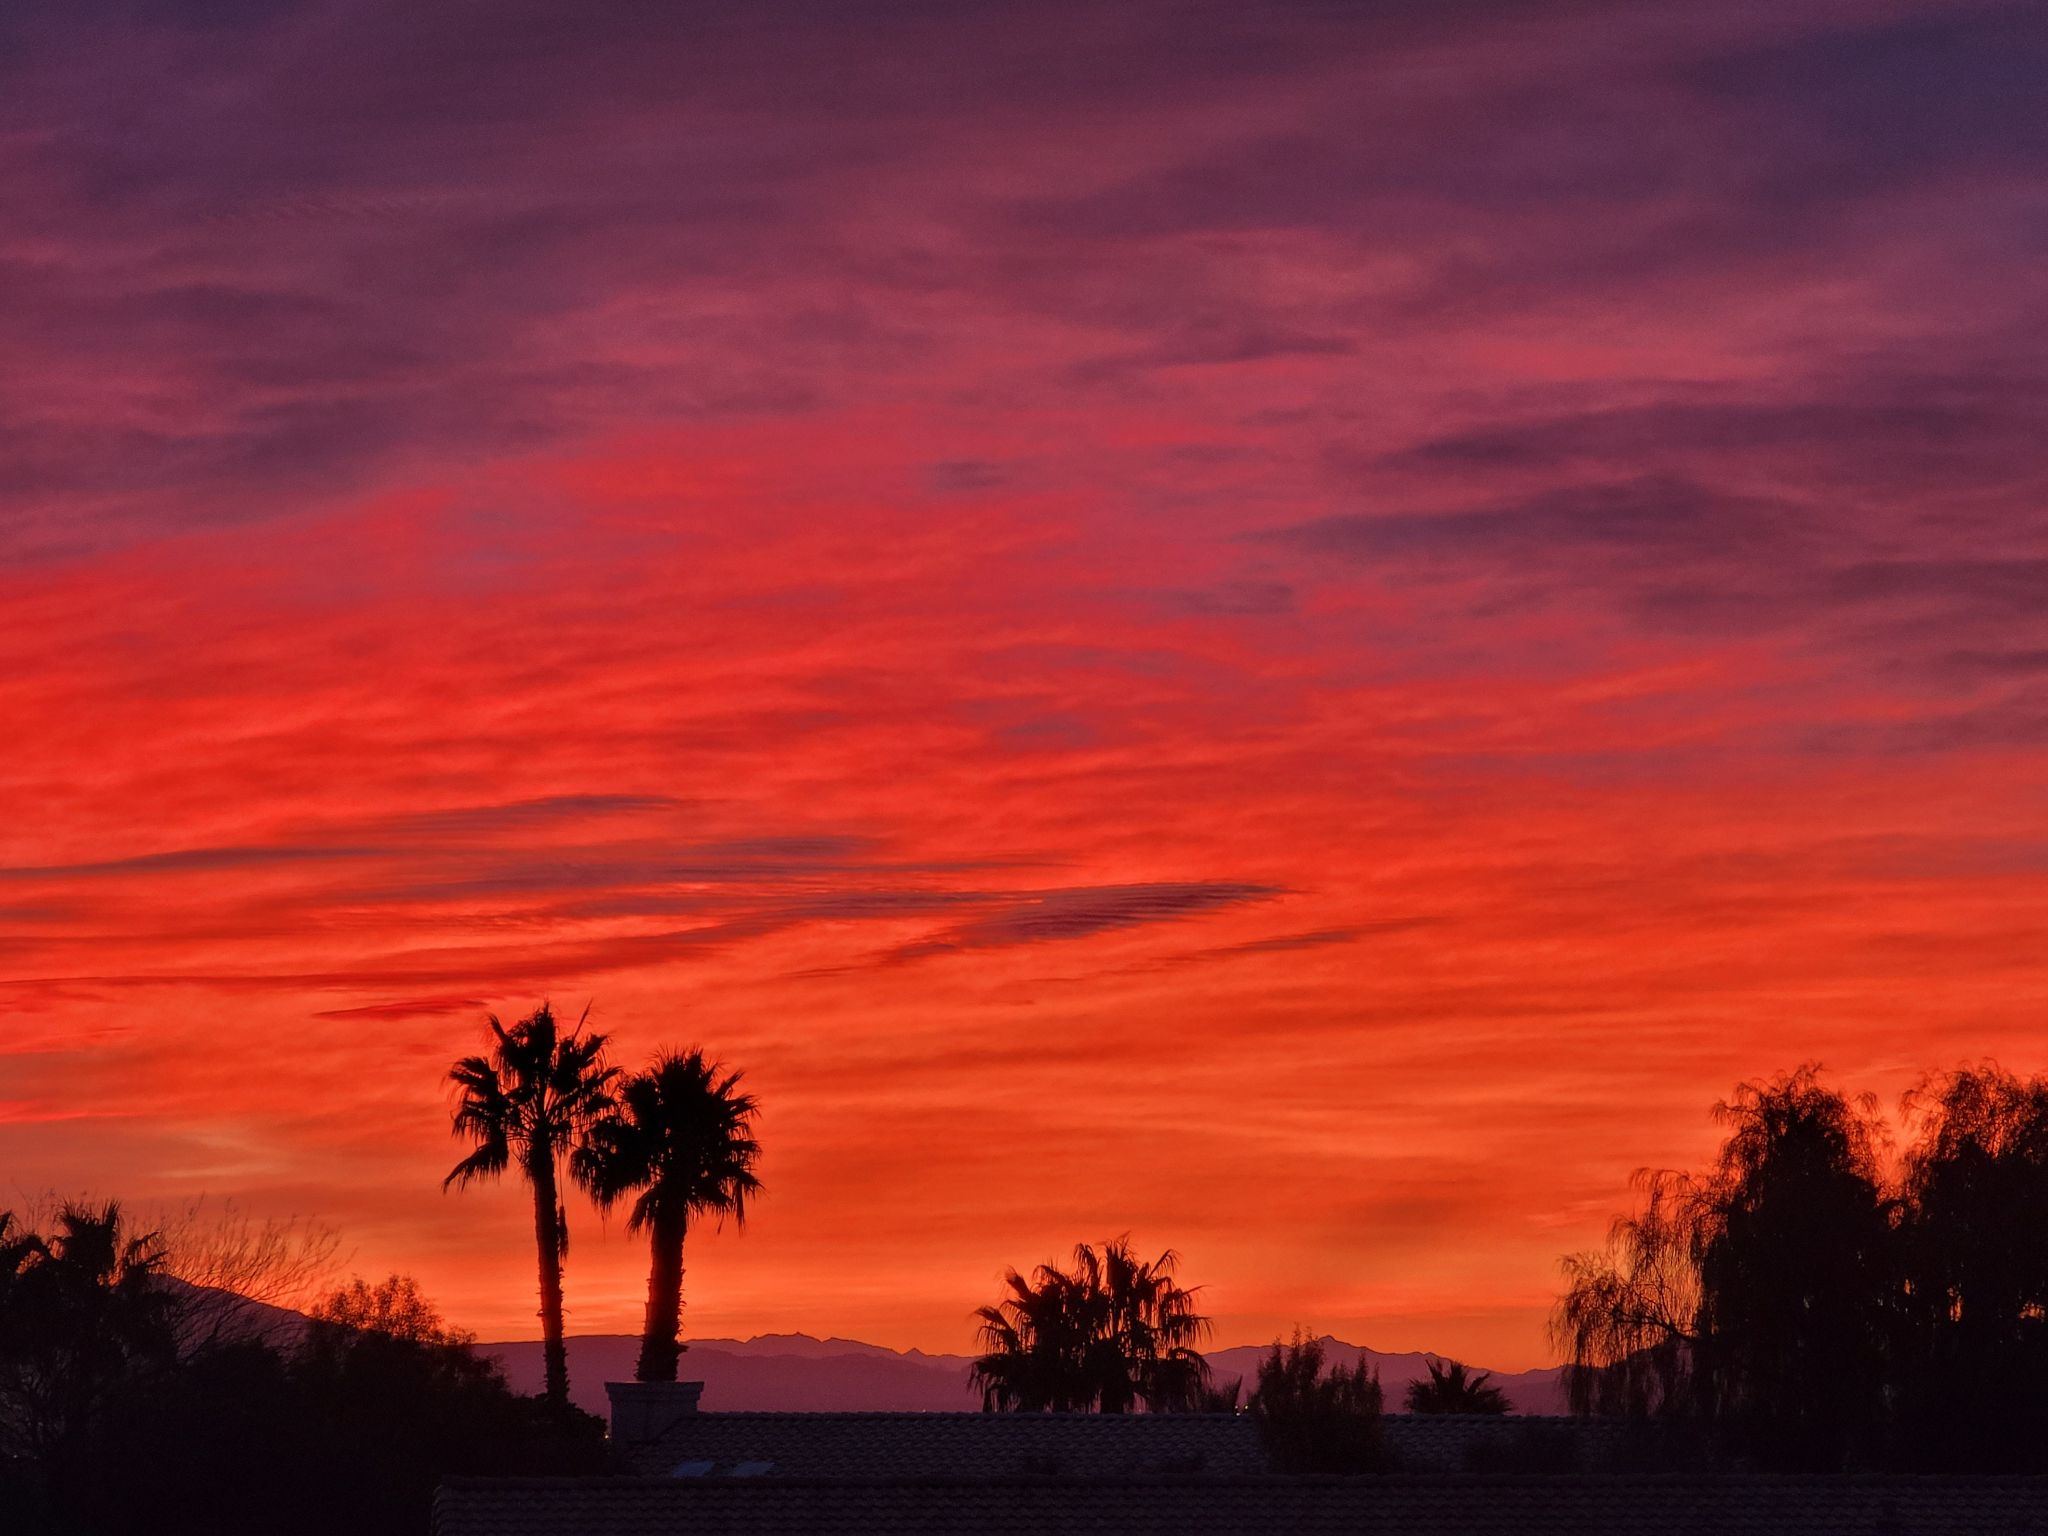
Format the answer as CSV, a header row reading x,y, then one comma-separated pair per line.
x,y
793,1372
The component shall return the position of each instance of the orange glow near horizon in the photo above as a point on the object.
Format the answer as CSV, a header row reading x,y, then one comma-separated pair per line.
x,y
1317,720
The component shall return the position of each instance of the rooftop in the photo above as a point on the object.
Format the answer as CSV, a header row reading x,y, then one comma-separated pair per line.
x,y
952,1445
1185,1506
1495,1442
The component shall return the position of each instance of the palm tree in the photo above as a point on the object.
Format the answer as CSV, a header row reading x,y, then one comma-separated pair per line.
x,y
530,1101
1113,1332
1035,1344
83,1311
1451,1388
1146,1350
682,1135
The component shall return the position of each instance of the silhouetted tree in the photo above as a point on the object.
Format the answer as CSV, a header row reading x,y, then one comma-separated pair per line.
x,y
1035,1345
348,1432
1314,1420
1221,1397
529,1102
1975,1349
1626,1322
1110,1334
1797,1262
681,1135
393,1308
1146,1353
1762,1296
131,1400
84,1313
240,1277
1451,1388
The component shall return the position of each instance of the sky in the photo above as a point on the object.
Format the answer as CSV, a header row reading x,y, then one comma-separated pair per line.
x,y
1295,629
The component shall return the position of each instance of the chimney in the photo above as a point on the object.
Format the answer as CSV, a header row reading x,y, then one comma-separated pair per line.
x,y
644,1412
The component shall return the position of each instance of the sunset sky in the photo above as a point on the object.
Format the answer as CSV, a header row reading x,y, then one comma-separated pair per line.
x,y
1298,629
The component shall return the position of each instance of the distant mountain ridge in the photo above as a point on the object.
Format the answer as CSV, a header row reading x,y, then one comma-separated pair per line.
x,y
794,1372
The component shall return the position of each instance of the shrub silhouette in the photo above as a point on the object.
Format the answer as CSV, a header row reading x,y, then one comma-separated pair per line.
x,y
1314,1420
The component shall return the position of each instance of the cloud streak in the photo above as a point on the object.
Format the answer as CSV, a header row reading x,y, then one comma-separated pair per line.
x,y
1477,568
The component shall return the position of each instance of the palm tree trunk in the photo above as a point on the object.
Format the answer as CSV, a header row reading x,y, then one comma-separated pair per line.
x,y
547,1233
659,1350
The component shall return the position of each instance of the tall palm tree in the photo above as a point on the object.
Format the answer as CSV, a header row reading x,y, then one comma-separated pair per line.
x,y
530,1102
1113,1332
1452,1388
682,1135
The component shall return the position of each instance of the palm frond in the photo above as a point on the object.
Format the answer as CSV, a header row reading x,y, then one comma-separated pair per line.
x,y
486,1162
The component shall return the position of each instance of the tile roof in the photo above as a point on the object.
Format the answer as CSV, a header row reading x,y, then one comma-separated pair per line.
x,y
956,1445
1309,1506
1494,1442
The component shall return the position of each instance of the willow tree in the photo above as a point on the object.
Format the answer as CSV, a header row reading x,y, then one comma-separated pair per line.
x,y
1799,1273
1761,1295
1628,1320
1973,1369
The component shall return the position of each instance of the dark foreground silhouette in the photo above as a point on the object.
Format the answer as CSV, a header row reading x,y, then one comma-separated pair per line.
x,y
108,1426
1813,1303
795,1373
674,1144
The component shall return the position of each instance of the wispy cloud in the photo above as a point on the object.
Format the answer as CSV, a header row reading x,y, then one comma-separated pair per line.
x,y
1481,563
1051,916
